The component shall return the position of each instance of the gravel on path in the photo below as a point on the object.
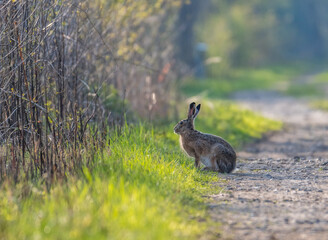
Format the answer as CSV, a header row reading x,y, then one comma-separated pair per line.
x,y
280,187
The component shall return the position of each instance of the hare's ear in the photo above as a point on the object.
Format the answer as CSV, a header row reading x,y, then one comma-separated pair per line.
x,y
191,111
197,111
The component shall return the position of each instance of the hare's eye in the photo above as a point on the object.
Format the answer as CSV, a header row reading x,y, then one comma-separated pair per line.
x,y
181,123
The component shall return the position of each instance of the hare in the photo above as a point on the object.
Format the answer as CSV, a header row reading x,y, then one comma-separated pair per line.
x,y
213,151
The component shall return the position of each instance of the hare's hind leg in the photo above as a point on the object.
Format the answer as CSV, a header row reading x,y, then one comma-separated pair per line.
x,y
225,166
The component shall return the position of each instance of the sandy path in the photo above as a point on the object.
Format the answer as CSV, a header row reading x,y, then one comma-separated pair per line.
x,y
280,187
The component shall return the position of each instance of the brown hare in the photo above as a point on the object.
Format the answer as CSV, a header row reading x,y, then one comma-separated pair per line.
x,y
213,151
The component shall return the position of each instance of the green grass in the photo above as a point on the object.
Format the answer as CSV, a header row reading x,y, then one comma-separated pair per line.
x,y
143,187
239,79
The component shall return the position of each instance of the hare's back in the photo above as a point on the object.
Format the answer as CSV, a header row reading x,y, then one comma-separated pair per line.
x,y
215,140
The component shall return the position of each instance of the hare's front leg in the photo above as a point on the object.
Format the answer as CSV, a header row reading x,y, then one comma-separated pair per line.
x,y
197,162
212,167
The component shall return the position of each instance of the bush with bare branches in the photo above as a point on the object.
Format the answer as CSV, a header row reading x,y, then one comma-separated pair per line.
x,y
68,69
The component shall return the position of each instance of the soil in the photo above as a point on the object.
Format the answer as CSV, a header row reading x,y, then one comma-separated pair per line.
x,y
279,189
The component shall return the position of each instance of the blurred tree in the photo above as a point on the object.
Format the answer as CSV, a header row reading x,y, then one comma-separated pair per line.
x,y
257,32
310,23
188,15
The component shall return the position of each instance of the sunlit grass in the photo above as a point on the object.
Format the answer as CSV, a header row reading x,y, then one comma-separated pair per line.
x,y
142,188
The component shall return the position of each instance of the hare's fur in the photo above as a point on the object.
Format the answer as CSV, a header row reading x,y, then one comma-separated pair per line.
x,y
212,151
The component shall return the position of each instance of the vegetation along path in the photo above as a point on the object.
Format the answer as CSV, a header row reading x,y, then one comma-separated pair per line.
x,y
280,187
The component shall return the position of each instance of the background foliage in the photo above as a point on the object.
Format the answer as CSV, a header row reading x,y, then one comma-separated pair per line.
x,y
258,33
